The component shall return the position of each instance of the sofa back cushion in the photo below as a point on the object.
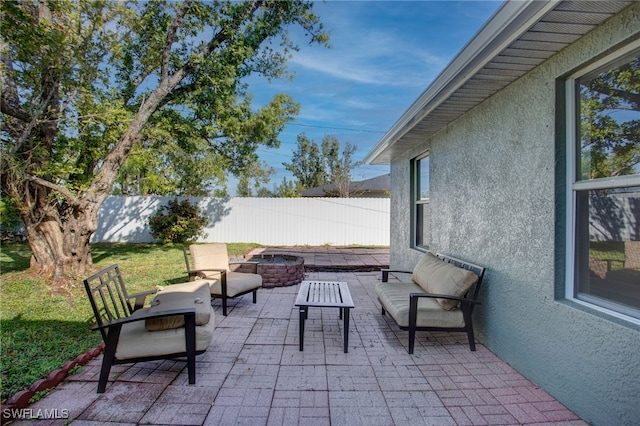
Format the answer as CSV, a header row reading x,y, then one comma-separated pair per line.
x,y
436,276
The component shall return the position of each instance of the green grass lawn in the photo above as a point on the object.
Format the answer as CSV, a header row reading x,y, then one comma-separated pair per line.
x,y
613,251
41,331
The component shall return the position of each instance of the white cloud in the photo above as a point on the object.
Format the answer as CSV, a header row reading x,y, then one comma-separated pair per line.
x,y
369,49
376,59
385,53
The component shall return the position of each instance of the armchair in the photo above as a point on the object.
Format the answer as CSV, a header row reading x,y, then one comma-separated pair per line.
x,y
179,322
211,261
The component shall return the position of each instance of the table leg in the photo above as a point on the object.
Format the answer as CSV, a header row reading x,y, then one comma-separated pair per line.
x,y
303,316
346,329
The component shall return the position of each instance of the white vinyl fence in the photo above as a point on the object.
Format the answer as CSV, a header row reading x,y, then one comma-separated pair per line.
x,y
266,221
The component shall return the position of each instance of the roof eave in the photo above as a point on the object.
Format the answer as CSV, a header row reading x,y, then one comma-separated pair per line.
x,y
508,23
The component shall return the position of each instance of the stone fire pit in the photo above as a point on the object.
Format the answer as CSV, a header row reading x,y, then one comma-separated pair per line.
x,y
277,270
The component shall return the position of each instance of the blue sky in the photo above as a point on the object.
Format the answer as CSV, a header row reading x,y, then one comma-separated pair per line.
x,y
384,54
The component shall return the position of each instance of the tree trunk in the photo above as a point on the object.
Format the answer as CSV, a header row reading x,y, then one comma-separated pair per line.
x,y
59,235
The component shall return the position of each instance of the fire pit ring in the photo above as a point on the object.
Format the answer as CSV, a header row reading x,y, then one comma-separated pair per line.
x,y
277,270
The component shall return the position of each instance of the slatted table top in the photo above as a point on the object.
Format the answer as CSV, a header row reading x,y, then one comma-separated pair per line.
x,y
324,294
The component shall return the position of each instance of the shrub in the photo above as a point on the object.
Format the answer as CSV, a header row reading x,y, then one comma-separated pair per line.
x,y
177,222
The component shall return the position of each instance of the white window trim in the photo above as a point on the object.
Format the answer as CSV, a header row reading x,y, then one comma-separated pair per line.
x,y
415,201
573,186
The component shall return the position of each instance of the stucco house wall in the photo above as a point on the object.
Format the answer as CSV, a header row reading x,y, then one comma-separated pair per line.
x,y
497,198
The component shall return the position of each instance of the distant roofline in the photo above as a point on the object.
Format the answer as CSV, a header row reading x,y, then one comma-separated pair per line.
x,y
362,185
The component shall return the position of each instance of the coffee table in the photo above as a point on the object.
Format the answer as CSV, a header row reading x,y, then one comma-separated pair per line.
x,y
325,294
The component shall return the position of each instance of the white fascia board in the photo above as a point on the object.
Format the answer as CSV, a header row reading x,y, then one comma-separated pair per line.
x,y
508,23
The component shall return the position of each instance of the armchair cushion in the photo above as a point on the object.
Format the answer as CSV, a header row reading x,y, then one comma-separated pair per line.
x,y
209,256
195,294
137,342
435,276
237,283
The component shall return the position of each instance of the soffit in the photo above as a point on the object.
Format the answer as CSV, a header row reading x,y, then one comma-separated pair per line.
x,y
527,35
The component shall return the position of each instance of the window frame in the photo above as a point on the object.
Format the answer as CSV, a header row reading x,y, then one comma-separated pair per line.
x,y
575,186
417,201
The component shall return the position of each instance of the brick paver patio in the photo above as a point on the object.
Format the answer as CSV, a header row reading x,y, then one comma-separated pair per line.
x,y
254,374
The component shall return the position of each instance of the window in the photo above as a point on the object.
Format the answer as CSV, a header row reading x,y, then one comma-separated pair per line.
x,y
603,140
420,194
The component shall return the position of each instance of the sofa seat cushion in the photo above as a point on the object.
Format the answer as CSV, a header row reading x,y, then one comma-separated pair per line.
x,y
137,342
395,299
192,294
435,276
237,283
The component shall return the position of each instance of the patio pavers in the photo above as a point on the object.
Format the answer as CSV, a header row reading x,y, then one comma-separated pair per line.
x,y
325,258
254,374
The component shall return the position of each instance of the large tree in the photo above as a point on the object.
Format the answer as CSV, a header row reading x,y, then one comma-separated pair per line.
x,y
307,165
339,166
316,165
253,177
610,126
84,82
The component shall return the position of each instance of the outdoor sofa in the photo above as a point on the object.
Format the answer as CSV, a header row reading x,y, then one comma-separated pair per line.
x,y
440,296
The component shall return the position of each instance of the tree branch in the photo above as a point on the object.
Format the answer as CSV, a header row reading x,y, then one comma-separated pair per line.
x,y
171,35
216,41
612,91
9,102
22,140
62,190
110,167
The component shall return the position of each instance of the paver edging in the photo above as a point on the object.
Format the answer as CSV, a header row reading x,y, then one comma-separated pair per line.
x,y
21,399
